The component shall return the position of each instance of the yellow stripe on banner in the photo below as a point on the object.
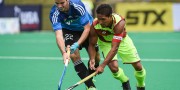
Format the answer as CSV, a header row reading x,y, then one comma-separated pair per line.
x,y
146,16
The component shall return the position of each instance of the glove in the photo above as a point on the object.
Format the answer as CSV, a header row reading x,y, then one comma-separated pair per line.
x,y
73,47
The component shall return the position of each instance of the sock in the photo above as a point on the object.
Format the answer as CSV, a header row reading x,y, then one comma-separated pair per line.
x,y
140,76
120,76
83,72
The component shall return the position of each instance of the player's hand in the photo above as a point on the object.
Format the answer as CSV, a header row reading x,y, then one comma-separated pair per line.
x,y
66,57
73,47
100,69
92,64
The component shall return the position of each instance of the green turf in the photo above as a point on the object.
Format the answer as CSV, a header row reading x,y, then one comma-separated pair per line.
x,y
19,71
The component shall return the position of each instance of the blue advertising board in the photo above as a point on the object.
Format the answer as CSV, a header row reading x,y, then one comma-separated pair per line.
x,y
29,15
1,3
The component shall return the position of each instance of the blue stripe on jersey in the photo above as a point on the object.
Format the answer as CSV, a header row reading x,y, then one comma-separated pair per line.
x,y
79,8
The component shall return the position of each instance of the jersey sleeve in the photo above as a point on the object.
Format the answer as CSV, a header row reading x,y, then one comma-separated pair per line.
x,y
56,25
85,19
81,10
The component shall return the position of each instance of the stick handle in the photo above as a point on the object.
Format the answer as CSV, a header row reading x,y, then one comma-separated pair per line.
x,y
68,53
82,81
66,62
87,78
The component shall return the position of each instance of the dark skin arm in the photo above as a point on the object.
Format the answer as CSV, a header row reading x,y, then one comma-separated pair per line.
x,y
114,48
92,42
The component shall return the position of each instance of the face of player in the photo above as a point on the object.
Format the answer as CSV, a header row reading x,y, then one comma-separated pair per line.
x,y
104,20
63,5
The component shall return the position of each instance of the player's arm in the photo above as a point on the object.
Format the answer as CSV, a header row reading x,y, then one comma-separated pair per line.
x,y
119,28
84,34
61,44
84,21
56,25
83,37
91,50
60,40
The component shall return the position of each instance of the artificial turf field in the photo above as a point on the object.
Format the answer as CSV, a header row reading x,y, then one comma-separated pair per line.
x,y
32,61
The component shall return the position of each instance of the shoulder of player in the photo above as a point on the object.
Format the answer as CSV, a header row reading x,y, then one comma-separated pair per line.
x,y
79,6
117,19
76,3
53,9
119,26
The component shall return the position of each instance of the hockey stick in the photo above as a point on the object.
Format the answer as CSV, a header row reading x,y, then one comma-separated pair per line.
x,y
64,71
82,81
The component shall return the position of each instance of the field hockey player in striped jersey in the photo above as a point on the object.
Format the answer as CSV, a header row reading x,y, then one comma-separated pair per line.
x,y
71,24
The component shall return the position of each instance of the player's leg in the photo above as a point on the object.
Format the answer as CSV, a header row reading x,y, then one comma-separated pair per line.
x,y
117,72
129,54
70,37
140,74
97,58
81,69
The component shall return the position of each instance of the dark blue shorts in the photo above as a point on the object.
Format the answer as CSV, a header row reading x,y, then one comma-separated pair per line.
x,y
73,36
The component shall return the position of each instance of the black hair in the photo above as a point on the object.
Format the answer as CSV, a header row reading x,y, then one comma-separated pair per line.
x,y
104,9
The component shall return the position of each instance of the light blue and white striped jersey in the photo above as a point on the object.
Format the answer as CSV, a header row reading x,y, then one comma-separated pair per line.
x,y
75,20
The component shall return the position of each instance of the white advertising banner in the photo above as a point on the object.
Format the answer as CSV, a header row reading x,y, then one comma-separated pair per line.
x,y
176,16
9,25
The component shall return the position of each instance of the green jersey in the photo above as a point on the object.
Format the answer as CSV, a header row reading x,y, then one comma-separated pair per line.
x,y
106,34
126,50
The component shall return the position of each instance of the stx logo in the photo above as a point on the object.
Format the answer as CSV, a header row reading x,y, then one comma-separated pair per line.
x,y
133,17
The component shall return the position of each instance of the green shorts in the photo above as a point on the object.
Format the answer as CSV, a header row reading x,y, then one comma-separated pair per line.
x,y
127,51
